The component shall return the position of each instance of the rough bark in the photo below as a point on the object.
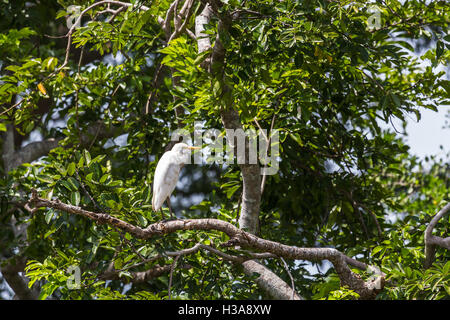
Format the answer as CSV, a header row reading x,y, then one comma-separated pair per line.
x,y
34,150
203,41
238,237
270,282
12,268
251,195
251,180
431,241
29,153
140,276
11,273
249,214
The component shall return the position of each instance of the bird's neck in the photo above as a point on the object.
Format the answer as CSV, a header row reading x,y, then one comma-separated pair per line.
x,y
181,160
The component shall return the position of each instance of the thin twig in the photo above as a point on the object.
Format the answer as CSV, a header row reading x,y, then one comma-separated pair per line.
x,y
12,107
80,60
69,34
184,13
286,267
238,237
174,263
153,89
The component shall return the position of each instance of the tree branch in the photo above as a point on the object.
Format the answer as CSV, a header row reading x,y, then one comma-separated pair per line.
x,y
203,41
140,276
251,194
251,198
37,149
286,267
431,241
78,21
11,269
270,282
237,237
29,153
18,284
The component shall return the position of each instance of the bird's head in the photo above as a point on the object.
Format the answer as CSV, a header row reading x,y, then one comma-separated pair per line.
x,y
183,151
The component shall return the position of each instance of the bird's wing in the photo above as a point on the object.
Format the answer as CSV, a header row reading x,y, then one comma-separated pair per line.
x,y
165,180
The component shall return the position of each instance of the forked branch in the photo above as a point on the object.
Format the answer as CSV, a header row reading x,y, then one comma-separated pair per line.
x,y
431,241
238,237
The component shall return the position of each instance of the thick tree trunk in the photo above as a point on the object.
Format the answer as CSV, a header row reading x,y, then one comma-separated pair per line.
x,y
251,195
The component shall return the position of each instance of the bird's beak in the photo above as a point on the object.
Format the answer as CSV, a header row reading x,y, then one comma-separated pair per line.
x,y
193,148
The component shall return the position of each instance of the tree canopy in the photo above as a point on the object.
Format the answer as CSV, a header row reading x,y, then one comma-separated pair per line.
x,y
91,93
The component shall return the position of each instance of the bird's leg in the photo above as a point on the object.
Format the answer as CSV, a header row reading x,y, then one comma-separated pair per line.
x,y
170,209
162,214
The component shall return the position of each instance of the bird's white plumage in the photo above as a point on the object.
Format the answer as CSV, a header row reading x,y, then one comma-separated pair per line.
x,y
165,180
167,172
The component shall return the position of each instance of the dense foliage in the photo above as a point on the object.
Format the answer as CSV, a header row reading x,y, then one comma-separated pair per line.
x,y
326,79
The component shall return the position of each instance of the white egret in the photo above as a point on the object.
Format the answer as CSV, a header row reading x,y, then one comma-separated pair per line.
x,y
166,174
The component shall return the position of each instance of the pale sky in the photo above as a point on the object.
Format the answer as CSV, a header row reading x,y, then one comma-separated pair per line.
x,y
425,136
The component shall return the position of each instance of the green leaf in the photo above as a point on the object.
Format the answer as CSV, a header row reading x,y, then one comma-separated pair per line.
x,y
66,184
71,168
80,163
73,183
363,54
104,177
230,191
28,126
45,178
62,254
113,204
406,45
49,215
61,14
50,63
50,232
87,157
376,250
202,56
89,177
333,216
147,194
118,263
142,221
93,252
75,198
439,49
296,137
396,99
99,158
